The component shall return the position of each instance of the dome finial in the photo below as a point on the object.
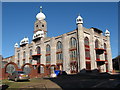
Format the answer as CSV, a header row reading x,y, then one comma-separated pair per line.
x,y
40,16
40,8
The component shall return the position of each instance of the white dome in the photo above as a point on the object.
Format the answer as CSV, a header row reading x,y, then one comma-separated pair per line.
x,y
107,33
24,41
79,20
16,45
40,16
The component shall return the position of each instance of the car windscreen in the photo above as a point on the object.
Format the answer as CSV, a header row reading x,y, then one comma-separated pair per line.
x,y
21,72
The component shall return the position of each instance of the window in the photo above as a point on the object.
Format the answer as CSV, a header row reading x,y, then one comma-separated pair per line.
x,y
105,53
24,55
59,45
73,42
48,48
87,53
59,54
31,52
18,56
38,50
36,25
48,56
73,49
42,25
96,44
87,48
104,46
23,62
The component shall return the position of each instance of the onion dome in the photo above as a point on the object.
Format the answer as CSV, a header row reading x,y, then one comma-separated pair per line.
x,y
107,33
16,45
79,20
24,41
38,34
40,16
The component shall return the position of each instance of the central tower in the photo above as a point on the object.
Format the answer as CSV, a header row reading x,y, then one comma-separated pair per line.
x,y
40,26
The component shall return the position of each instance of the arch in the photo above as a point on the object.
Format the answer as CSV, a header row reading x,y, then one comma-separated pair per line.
x,y
48,56
30,65
87,53
38,49
16,67
48,48
38,68
73,55
97,43
105,46
24,54
86,41
73,42
59,45
18,56
30,52
27,64
59,53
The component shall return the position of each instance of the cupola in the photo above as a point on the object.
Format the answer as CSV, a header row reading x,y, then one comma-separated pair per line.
x,y
107,33
16,45
79,20
40,16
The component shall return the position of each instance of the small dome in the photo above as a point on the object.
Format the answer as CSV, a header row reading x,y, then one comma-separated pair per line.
x,y
40,16
107,33
24,41
16,45
79,20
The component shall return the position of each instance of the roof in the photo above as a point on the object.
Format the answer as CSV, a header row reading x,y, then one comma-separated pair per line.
x,y
97,30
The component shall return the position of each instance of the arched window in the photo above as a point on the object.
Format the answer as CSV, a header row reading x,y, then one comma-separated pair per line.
x,y
105,53
73,55
48,48
73,49
30,56
59,45
38,50
30,52
48,56
24,55
59,53
73,43
105,46
87,53
18,56
87,48
97,46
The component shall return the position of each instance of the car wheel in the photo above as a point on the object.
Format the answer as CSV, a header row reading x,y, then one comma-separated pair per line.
x,y
16,79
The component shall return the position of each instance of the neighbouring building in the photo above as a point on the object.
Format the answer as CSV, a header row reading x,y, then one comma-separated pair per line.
x,y
80,49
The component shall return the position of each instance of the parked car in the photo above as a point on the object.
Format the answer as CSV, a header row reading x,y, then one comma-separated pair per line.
x,y
18,75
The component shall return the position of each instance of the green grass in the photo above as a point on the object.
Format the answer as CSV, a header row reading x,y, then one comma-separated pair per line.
x,y
13,84
21,84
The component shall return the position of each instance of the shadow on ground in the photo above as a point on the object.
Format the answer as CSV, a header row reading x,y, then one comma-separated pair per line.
x,y
4,87
88,80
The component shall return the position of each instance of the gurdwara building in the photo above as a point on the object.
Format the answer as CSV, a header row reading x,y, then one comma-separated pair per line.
x,y
75,51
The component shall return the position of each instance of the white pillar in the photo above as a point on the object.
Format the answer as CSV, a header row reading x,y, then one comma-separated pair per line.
x,y
92,51
109,55
81,47
66,55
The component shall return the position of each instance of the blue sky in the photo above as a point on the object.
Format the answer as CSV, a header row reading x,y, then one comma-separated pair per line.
x,y
18,20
